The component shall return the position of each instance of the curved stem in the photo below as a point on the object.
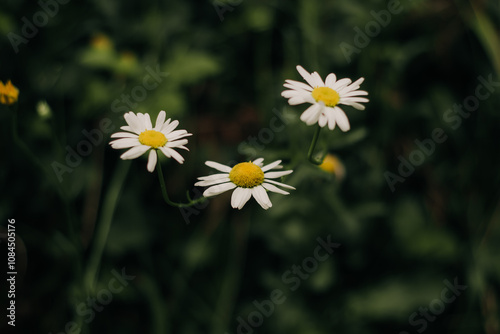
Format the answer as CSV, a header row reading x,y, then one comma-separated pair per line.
x,y
104,226
311,148
165,194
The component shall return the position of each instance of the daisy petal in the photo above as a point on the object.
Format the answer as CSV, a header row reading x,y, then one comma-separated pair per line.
x,y
135,152
298,88
260,195
126,128
153,157
280,184
354,105
330,80
322,120
176,155
358,82
309,99
218,166
317,80
123,135
271,165
331,118
296,100
274,175
299,85
239,197
165,151
125,143
168,127
141,120
311,114
208,183
247,194
354,99
160,120
258,162
275,189
341,119
133,122
288,94
295,93
174,135
167,122
218,189
341,84
147,121
354,93
307,77
214,176
177,143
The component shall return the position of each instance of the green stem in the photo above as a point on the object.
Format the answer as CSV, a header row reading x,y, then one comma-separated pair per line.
x,y
165,194
231,281
104,226
23,146
313,146
160,321
76,243
57,185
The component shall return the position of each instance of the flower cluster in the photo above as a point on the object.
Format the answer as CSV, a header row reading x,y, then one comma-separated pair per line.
x,y
253,178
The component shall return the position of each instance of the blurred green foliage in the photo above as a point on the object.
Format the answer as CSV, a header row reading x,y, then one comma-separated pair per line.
x,y
226,63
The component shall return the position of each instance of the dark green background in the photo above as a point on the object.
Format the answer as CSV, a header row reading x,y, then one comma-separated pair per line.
x,y
225,78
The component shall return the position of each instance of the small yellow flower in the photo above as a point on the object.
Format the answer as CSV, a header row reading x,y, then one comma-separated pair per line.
x,y
101,42
8,93
331,164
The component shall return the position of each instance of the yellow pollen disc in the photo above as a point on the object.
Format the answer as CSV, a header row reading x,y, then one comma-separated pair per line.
x,y
329,96
152,138
246,175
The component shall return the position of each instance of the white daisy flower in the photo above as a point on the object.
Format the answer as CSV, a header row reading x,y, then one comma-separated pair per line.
x,y
325,98
249,179
142,136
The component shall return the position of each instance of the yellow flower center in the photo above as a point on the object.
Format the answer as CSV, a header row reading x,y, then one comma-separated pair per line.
x,y
152,138
329,96
8,93
246,175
